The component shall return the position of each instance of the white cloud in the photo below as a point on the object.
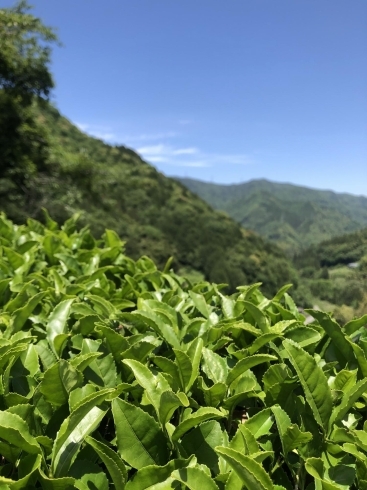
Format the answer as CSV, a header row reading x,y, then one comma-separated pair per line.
x,y
179,157
101,132
110,137
82,126
185,151
197,164
168,154
149,136
154,150
162,152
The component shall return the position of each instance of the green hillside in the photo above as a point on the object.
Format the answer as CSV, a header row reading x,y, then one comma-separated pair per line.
x,y
333,274
294,217
113,187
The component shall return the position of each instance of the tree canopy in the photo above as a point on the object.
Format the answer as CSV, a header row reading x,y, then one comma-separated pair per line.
x,y
25,78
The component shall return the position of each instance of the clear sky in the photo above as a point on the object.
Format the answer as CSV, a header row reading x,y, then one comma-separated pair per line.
x,y
220,90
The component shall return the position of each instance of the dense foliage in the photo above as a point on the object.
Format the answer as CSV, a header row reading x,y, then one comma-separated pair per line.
x,y
341,250
292,216
24,79
117,375
335,273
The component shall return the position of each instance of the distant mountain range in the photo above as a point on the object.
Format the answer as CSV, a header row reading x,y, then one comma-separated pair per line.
x,y
294,217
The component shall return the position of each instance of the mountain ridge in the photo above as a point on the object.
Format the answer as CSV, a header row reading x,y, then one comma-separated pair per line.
x,y
293,216
268,181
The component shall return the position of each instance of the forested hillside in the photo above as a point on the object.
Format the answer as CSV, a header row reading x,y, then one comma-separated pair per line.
x,y
112,187
294,217
333,274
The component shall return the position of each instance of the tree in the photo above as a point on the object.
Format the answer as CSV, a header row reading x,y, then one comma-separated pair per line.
x,y
25,80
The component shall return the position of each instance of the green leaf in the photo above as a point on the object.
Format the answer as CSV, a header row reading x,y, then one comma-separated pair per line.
x,y
26,364
111,460
258,315
140,440
290,434
112,239
154,385
215,394
260,423
345,380
194,479
28,466
81,361
57,326
251,473
15,431
201,442
159,326
58,381
353,326
169,367
361,358
12,352
116,342
303,336
261,341
102,306
200,304
315,467
249,362
56,483
101,370
22,314
88,475
156,477
184,368
334,332
47,357
201,415
214,366
313,381
70,263
139,351
168,403
16,260
194,352
83,420
348,400
51,245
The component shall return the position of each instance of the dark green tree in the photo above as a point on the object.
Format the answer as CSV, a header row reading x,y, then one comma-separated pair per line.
x,y
25,80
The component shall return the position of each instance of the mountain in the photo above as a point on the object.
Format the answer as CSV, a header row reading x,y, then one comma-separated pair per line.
x,y
294,217
112,187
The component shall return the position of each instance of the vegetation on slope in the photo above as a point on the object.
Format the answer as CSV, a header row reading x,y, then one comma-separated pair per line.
x,y
113,187
335,273
292,216
115,374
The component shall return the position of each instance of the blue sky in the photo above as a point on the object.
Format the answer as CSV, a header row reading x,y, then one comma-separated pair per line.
x,y
220,90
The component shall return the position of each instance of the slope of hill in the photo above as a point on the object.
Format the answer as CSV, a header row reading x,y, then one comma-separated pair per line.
x,y
115,188
347,249
333,275
295,217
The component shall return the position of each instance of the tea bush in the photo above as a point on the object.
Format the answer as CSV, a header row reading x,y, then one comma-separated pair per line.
x,y
115,374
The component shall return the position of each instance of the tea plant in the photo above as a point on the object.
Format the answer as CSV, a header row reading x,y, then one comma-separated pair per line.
x,y
117,375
